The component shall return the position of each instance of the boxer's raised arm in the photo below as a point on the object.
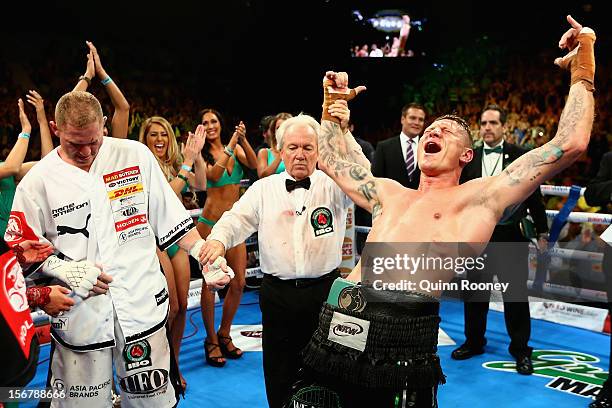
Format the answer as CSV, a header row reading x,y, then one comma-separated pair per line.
x,y
354,179
529,171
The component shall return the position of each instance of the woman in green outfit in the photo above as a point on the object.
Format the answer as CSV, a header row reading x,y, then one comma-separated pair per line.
x,y
183,170
269,160
224,172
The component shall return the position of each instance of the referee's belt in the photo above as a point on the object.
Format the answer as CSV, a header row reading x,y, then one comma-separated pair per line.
x,y
303,282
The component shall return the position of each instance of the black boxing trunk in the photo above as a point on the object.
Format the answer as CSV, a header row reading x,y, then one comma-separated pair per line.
x,y
377,339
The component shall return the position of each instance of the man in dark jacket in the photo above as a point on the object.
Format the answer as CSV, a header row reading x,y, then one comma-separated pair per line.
x,y
489,160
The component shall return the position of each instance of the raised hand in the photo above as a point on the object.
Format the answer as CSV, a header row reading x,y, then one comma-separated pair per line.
x,y
100,72
200,137
335,87
90,69
26,127
339,110
580,60
240,132
36,100
191,148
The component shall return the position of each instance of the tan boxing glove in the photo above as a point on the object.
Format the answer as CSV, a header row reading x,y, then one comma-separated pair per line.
x,y
580,61
331,94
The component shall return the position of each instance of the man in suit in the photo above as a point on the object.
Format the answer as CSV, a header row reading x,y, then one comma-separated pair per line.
x,y
490,160
599,192
396,157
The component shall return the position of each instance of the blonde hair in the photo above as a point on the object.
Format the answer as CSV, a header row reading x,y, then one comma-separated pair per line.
x,y
79,108
171,164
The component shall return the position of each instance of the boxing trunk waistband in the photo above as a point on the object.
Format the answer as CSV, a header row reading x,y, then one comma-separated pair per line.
x,y
377,339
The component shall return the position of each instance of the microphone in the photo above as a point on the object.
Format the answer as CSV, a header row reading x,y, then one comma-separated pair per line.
x,y
301,212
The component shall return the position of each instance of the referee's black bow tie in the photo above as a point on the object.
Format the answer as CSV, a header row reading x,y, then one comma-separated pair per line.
x,y
292,185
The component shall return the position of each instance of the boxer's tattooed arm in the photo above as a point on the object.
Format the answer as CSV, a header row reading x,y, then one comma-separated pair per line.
x,y
529,171
344,167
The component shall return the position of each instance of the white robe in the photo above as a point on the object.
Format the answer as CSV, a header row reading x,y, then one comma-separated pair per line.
x,y
109,216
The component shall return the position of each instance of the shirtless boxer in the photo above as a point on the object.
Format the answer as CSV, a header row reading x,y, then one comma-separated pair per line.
x,y
396,363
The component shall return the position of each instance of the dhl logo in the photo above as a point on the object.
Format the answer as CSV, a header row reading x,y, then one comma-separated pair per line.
x,y
130,171
125,191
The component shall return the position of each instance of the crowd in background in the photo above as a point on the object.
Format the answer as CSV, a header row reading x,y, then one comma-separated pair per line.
x,y
533,105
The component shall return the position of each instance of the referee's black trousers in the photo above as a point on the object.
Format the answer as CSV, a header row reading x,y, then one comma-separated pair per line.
x,y
290,315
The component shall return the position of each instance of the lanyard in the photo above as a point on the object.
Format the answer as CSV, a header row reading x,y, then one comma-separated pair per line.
x,y
484,164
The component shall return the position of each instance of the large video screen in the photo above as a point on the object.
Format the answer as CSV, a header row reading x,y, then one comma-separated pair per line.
x,y
387,33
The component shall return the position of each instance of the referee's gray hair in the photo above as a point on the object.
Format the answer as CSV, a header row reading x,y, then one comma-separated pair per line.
x,y
301,119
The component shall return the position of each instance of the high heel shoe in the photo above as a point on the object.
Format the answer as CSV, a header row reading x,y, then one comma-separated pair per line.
x,y
224,341
215,361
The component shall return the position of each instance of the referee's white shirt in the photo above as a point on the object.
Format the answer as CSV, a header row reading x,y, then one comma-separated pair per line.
x,y
300,233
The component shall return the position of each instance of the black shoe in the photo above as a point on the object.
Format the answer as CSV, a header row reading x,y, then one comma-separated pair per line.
x,y
464,352
524,365
603,399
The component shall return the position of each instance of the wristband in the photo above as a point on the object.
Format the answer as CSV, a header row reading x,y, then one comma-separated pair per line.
x,y
183,178
24,135
38,296
229,151
106,80
186,167
86,79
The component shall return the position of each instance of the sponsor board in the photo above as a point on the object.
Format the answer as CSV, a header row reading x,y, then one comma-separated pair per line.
x,y
569,371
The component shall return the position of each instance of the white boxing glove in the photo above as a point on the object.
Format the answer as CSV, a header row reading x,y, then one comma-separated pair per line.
x,y
214,273
80,276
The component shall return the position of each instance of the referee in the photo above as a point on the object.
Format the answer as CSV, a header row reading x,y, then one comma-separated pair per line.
x,y
300,218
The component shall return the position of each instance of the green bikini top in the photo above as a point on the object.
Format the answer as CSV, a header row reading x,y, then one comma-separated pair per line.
x,y
281,166
225,178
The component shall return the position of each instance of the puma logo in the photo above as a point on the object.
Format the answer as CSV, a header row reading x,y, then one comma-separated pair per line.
x,y
63,229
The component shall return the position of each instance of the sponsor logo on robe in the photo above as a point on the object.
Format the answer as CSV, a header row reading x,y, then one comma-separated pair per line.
x,y
144,382
121,174
570,371
123,182
67,209
137,355
59,323
138,232
130,222
161,297
125,191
